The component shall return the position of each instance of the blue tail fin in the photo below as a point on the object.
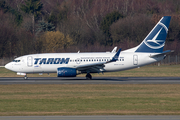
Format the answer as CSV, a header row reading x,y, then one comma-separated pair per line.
x,y
155,40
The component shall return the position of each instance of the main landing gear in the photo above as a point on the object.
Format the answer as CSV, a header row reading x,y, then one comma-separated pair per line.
x,y
88,76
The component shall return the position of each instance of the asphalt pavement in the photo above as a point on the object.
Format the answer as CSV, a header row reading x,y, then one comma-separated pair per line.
x,y
113,117
95,80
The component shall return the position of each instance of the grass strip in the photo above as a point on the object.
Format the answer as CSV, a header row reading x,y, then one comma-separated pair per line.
x,y
148,99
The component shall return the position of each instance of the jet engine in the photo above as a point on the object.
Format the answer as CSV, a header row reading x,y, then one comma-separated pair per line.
x,y
66,72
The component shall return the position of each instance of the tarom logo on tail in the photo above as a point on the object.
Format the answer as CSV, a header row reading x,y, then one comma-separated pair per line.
x,y
155,40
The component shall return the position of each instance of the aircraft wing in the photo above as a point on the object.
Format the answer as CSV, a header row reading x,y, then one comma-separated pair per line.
x,y
163,53
97,67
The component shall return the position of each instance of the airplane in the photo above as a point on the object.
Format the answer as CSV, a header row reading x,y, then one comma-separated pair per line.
x,y
150,50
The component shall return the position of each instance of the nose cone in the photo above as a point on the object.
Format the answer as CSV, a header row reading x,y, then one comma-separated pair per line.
x,y
8,66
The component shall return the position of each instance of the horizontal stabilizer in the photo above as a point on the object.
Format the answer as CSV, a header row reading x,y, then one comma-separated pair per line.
x,y
163,53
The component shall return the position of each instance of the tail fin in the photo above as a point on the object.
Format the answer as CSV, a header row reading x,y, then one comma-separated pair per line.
x,y
155,40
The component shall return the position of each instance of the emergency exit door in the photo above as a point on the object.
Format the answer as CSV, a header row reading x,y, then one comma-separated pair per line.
x,y
29,61
135,60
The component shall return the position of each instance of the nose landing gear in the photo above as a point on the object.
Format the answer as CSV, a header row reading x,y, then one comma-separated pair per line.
x,y
25,77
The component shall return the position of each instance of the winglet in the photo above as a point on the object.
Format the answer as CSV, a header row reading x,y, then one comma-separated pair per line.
x,y
115,58
114,50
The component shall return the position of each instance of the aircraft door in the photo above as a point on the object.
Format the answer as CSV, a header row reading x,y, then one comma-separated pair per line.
x,y
135,60
29,61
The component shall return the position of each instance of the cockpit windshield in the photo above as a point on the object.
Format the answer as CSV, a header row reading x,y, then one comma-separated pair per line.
x,y
16,60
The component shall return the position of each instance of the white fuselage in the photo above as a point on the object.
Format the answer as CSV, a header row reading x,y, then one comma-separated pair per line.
x,y
49,62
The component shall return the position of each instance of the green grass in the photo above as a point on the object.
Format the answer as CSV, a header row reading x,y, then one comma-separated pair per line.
x,y
146,71
90,99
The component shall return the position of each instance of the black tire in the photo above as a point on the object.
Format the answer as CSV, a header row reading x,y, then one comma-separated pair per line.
x,y
25,77
88,76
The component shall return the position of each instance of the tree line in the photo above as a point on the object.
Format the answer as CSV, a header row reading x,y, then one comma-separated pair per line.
x,y
39,26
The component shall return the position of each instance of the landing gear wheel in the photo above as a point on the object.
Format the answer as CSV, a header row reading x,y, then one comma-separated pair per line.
x,y
88,76
25,77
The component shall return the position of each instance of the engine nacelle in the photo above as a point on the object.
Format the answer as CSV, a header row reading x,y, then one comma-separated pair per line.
x,y
66,72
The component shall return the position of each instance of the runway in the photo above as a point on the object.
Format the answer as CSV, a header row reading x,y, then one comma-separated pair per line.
x,y
95,80
110,117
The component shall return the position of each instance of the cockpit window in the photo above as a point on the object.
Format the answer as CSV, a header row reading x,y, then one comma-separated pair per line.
x,y
16,60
